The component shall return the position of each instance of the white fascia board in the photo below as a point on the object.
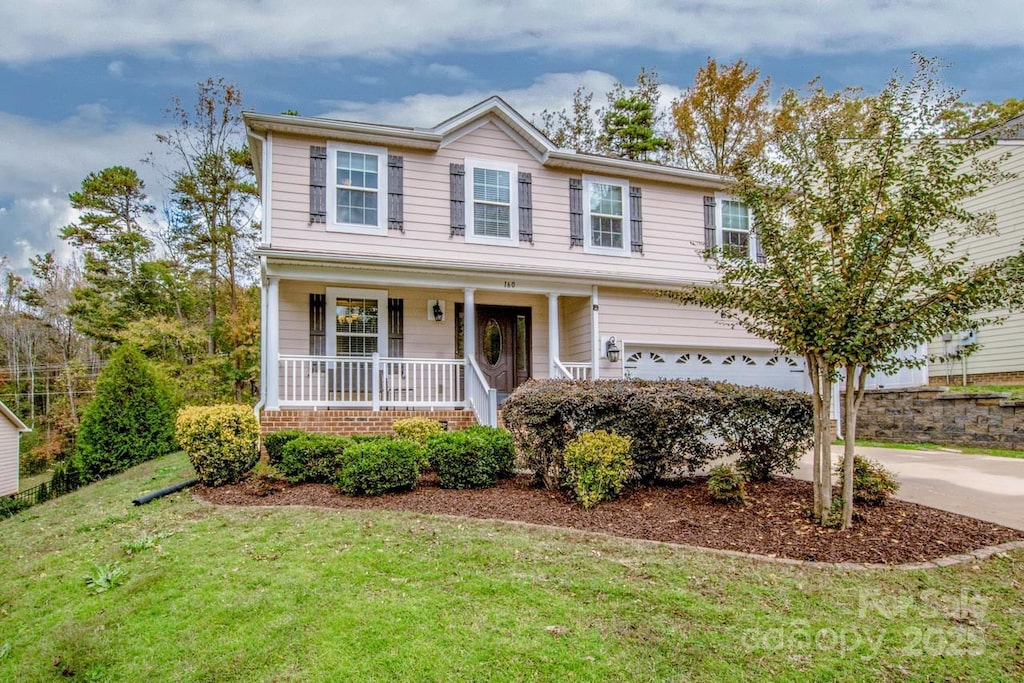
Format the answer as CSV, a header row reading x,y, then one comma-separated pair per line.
x,y
503,111
634,170
351,131
13,419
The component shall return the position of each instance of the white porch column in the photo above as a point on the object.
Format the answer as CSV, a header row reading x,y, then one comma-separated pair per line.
x,y
273,344
552,333
595,335
468,322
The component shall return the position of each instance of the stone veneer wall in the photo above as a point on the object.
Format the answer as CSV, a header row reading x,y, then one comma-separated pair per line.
x,y
937,415
347,422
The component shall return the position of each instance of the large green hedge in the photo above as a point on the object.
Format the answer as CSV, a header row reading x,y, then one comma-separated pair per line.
x,y
674,425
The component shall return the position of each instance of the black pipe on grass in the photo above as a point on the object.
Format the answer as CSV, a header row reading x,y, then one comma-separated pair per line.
x,y
143,499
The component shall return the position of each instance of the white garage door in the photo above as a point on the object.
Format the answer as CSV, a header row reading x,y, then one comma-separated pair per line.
x,y
751,367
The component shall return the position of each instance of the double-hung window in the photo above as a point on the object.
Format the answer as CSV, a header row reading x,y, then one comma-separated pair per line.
x,y
735,221
492,195
358,319
357,195
606,216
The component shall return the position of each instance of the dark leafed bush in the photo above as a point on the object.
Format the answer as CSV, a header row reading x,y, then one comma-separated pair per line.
x,y
472,458
379,466
598,466
313,458
10,506
872,483
725,485
674,425
68,475
276,441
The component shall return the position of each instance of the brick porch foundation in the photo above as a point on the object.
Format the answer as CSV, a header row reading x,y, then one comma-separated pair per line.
x,y
347,422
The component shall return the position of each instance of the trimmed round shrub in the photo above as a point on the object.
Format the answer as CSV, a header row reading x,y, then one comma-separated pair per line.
x,y
472,458
598,466
872,483
276,441
313,458
725,485
222,442
418,429
380,466
130,420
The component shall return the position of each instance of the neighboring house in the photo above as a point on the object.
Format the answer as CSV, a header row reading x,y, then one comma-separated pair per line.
x,y
10,436
409,269
1000,358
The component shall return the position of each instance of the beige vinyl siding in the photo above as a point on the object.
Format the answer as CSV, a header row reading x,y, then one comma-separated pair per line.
x,y
9,437
574,324
1002,348
635,319
673,216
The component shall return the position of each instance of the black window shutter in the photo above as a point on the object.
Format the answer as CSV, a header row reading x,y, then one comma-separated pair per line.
x,y
317,324
636,219
525,207
396,328
317,184
760,249
575,212
709,222
458,192
395,208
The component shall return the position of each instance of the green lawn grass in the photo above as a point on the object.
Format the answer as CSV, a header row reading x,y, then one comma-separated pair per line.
x,y
25,483
1016,391
303,594
969,450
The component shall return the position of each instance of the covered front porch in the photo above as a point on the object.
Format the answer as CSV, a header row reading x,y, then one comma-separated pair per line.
x,y
343,339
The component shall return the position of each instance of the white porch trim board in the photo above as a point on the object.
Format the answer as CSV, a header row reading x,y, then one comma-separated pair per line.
x,y
273,342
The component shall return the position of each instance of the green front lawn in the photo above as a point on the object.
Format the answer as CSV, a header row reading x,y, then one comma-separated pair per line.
x,y
303,594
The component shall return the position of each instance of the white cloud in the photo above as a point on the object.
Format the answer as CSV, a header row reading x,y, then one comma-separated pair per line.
x,y
449,71
241,29
550,91
41,163
116,69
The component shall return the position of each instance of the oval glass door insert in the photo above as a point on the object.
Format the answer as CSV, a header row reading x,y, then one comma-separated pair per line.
x,y
492,342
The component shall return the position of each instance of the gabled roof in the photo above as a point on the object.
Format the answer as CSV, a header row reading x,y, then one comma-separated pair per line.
x,y
432,139
1011,129
13,419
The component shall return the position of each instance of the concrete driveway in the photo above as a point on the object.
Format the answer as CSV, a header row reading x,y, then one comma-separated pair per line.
x,y
981,486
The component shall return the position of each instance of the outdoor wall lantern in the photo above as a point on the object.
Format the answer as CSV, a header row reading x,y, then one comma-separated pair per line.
x,y
435,310
611,350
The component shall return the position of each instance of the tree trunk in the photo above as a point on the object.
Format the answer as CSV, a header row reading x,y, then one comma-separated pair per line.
x,y
849,434
812,369
825,463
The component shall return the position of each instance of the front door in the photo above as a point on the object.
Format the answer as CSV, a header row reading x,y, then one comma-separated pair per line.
x,y
503,346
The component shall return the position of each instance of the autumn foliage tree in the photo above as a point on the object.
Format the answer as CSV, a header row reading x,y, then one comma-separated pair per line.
x,y
724,117
859,234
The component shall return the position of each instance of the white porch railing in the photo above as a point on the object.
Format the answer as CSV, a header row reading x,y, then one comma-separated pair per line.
x,y
361,381
482,398
572,370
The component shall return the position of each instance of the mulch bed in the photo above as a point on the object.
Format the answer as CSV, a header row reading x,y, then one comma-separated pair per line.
x,y
774,522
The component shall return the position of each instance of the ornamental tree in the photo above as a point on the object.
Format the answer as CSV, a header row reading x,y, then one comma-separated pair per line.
x,y
858,208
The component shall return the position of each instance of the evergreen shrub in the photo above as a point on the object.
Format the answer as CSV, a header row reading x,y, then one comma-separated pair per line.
x,y
222,442
674,425
380,466
872,483
130,420
276,441
725,485
472,458
597,466
313,458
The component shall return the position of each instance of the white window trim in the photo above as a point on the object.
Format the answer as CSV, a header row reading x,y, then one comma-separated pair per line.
x,y
332,190
381,295
513,196
752,234
588,231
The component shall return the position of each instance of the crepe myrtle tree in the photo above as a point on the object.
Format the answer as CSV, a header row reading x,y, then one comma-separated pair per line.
x,y
858,210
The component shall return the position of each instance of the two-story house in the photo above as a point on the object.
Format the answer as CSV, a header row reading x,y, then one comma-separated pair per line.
x,y
409,269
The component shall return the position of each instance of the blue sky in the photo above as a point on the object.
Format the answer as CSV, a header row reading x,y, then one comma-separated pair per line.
x,y
84,84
